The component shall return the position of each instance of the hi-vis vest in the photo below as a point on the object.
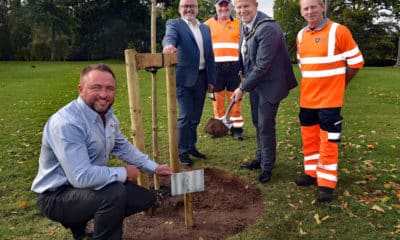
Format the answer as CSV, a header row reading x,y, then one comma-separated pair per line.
x,y
323,56
225,39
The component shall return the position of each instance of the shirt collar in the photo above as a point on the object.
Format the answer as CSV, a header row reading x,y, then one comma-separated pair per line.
x,y
187,22
320,26
250,25
230,17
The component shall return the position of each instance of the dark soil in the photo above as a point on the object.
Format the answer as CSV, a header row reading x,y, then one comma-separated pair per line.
x,y
227,206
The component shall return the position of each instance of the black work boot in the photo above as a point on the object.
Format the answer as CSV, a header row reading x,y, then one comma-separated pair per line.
x,y
306,180
324,194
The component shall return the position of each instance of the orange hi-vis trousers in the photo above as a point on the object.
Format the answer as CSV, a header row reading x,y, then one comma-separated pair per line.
x,y
219,108
320,156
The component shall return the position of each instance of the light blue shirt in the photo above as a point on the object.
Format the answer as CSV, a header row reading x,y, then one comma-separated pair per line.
x,y
76,148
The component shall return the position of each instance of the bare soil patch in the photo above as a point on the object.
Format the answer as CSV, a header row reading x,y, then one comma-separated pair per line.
x,y
227,206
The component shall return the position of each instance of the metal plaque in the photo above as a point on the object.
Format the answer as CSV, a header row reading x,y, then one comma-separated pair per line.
x,y
187,182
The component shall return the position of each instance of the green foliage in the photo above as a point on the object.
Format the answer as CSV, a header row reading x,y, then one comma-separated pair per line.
x,y
206,10
378,41
366,201
287,14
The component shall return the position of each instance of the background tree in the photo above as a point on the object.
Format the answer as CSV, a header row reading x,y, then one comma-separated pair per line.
x,y
108,27
287,14
5,43
376,38
102,29
170,9
374,25
53,22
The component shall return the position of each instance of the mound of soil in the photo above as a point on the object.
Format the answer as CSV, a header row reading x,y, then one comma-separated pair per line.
x,y
226,207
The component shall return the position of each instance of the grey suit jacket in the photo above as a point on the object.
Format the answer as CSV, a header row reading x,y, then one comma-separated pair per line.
x,y
266,66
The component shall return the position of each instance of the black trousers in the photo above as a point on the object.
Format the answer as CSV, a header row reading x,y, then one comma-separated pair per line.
x,y
108,207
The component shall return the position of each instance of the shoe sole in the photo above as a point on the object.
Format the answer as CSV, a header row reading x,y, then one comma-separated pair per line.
x,y
186,164
250,168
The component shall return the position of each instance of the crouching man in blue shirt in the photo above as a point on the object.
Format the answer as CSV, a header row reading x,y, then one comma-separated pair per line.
x,y
74,183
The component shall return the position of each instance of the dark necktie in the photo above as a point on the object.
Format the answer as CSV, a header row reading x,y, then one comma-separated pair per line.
x,y
245,30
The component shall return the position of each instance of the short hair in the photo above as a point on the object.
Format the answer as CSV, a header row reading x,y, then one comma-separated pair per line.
x,y
180,2
98,66
236,1
322,2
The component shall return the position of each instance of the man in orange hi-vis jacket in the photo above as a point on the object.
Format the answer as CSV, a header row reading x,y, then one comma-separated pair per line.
x,y
328,58
225,35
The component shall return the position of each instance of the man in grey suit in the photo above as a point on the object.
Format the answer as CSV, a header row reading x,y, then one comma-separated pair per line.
x,y
195,73
268,76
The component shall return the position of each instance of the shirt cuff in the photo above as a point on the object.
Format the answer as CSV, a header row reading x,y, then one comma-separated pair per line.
x,y
121,174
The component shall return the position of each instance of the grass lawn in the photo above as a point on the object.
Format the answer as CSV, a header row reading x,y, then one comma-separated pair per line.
x,y
367,199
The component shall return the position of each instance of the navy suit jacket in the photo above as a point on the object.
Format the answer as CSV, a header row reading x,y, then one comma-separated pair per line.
x,y
266,66
179,35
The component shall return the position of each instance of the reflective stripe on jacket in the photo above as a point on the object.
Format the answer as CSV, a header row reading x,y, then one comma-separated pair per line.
x,y
225,45
323,56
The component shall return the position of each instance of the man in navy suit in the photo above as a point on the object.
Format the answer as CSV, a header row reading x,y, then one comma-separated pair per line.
x,y
195,73
268,76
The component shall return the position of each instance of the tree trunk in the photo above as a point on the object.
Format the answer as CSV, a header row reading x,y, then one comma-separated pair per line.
x,y
398,53
53,43
326,8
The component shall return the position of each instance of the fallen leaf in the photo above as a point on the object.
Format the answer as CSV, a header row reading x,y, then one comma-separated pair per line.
x,y
360,182
395,185
51,234
371,177
387,185
345,170
395,205
366,199
371,146
325,218
293,206
377,208
378,192
316,217
368,163
385,199
353,160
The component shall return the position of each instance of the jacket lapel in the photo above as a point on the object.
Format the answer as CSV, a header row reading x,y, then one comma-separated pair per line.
x,y
187,29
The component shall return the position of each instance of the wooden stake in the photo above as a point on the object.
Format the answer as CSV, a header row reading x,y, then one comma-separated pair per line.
x,y
172,118
173,133
154,93
188,201
135,107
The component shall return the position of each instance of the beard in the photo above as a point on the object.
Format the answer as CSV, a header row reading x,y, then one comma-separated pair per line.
x,y
101,108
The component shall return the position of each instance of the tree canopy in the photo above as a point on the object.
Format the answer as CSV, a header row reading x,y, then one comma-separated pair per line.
x,y
102,29
374,25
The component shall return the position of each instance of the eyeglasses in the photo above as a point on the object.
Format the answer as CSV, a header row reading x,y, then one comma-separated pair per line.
x,y
187,6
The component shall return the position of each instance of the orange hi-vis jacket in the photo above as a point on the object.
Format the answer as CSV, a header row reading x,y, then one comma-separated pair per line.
x,y
225,45
323,55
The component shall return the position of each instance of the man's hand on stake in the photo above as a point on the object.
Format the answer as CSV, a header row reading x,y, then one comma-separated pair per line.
x,y
163,170
132,173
